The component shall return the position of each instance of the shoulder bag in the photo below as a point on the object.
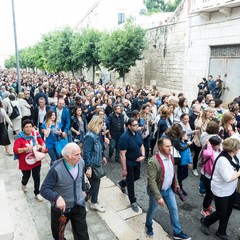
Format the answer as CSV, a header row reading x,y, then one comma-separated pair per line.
x,y
15,113
38,154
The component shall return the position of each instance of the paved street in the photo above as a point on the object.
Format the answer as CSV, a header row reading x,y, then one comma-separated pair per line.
x,y
189,211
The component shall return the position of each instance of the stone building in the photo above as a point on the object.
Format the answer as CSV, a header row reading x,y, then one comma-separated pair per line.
x,y
201,38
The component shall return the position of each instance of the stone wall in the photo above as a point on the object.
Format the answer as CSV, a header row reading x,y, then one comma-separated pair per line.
x,y
163,62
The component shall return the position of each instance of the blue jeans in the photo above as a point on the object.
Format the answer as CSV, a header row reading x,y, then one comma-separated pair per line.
x,y
169,199
53,155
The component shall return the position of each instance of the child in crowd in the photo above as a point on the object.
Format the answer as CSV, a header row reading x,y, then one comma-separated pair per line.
x,y
186,161
210,153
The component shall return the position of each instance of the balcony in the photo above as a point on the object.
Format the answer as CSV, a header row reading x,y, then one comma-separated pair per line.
x,y
208,6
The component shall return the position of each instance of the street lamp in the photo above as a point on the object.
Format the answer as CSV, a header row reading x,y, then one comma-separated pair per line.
x,y
16,48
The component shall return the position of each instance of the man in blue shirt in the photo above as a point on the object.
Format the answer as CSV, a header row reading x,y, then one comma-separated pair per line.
x,y
132,153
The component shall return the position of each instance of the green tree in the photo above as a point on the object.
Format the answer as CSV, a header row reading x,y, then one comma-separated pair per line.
x,y
56,48
77,51
156,6
86,49
10,62
121,48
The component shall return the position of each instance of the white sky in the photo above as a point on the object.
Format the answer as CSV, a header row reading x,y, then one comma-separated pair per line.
x,y
36,17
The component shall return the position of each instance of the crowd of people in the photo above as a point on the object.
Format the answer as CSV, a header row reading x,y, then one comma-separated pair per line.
x,y
136,126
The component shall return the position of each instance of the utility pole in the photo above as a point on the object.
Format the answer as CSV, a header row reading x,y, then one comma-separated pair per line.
x,y
16,48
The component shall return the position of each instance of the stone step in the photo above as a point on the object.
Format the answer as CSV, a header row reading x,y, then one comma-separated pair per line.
x,y
120,218
6,227
21,218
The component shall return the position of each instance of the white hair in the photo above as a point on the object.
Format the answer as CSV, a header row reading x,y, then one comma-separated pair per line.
x,y
68,149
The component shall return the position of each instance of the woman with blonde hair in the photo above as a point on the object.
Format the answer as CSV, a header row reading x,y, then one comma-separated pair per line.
x,y
227,128
93,156
146,122
200,124
224,181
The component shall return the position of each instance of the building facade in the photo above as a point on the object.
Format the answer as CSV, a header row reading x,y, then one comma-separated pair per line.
x,y
201,38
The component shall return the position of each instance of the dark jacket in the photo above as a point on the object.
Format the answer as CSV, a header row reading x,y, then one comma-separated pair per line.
x,y
113,125
35,114
75,124
65,119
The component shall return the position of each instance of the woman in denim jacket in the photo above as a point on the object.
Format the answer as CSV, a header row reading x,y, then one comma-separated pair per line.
x,y
93,149
209,154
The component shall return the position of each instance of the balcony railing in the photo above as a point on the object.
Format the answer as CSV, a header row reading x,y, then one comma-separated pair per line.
x,y
212,5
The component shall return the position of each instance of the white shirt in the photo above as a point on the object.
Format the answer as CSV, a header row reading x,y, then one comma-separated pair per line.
x,y
41,114
169,172
59,115
222,174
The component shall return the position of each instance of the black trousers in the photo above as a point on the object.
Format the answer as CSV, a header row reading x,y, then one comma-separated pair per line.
x,y
94,190
224,206
133,174
209,195
77,215
196,153
36,178
182,173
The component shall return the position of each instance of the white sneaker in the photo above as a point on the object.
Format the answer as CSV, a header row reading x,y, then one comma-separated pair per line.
x,y
98,208
195,172
39,197
24,188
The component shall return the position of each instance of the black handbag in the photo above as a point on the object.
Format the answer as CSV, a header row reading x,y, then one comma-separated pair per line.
x,y
15,113
98,172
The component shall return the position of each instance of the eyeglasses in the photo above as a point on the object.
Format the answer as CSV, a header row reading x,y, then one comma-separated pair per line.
x,y
134,125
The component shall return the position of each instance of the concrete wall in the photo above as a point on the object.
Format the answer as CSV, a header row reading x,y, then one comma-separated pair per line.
x,y
218,30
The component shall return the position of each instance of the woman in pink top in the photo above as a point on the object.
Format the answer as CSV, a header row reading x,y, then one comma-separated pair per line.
x,y
210,153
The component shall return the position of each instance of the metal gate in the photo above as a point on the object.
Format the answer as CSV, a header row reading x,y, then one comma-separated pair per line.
x,y
225,61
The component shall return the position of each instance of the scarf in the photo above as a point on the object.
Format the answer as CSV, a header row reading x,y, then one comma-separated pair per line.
x,y
28,138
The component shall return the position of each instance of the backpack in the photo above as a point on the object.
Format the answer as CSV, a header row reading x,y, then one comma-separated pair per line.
x,y
15,113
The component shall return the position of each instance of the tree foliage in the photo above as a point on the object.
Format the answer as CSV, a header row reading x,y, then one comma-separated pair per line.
x,y
156,6
85,47
121,48
10,62
57,50
68,50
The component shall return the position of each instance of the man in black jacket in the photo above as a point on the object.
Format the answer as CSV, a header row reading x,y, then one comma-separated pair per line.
x,y
116,128
39,114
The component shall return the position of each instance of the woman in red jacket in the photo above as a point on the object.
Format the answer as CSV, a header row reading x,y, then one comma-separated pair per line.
x,y
23,148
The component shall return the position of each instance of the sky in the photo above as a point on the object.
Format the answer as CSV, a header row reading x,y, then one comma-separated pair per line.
x,y
36,17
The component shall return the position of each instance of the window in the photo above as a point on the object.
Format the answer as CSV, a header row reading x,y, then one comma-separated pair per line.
x,y
121,18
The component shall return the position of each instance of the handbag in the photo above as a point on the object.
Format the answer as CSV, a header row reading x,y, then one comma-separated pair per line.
x,y
98,172
176,155
38,155
15,113
59,145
